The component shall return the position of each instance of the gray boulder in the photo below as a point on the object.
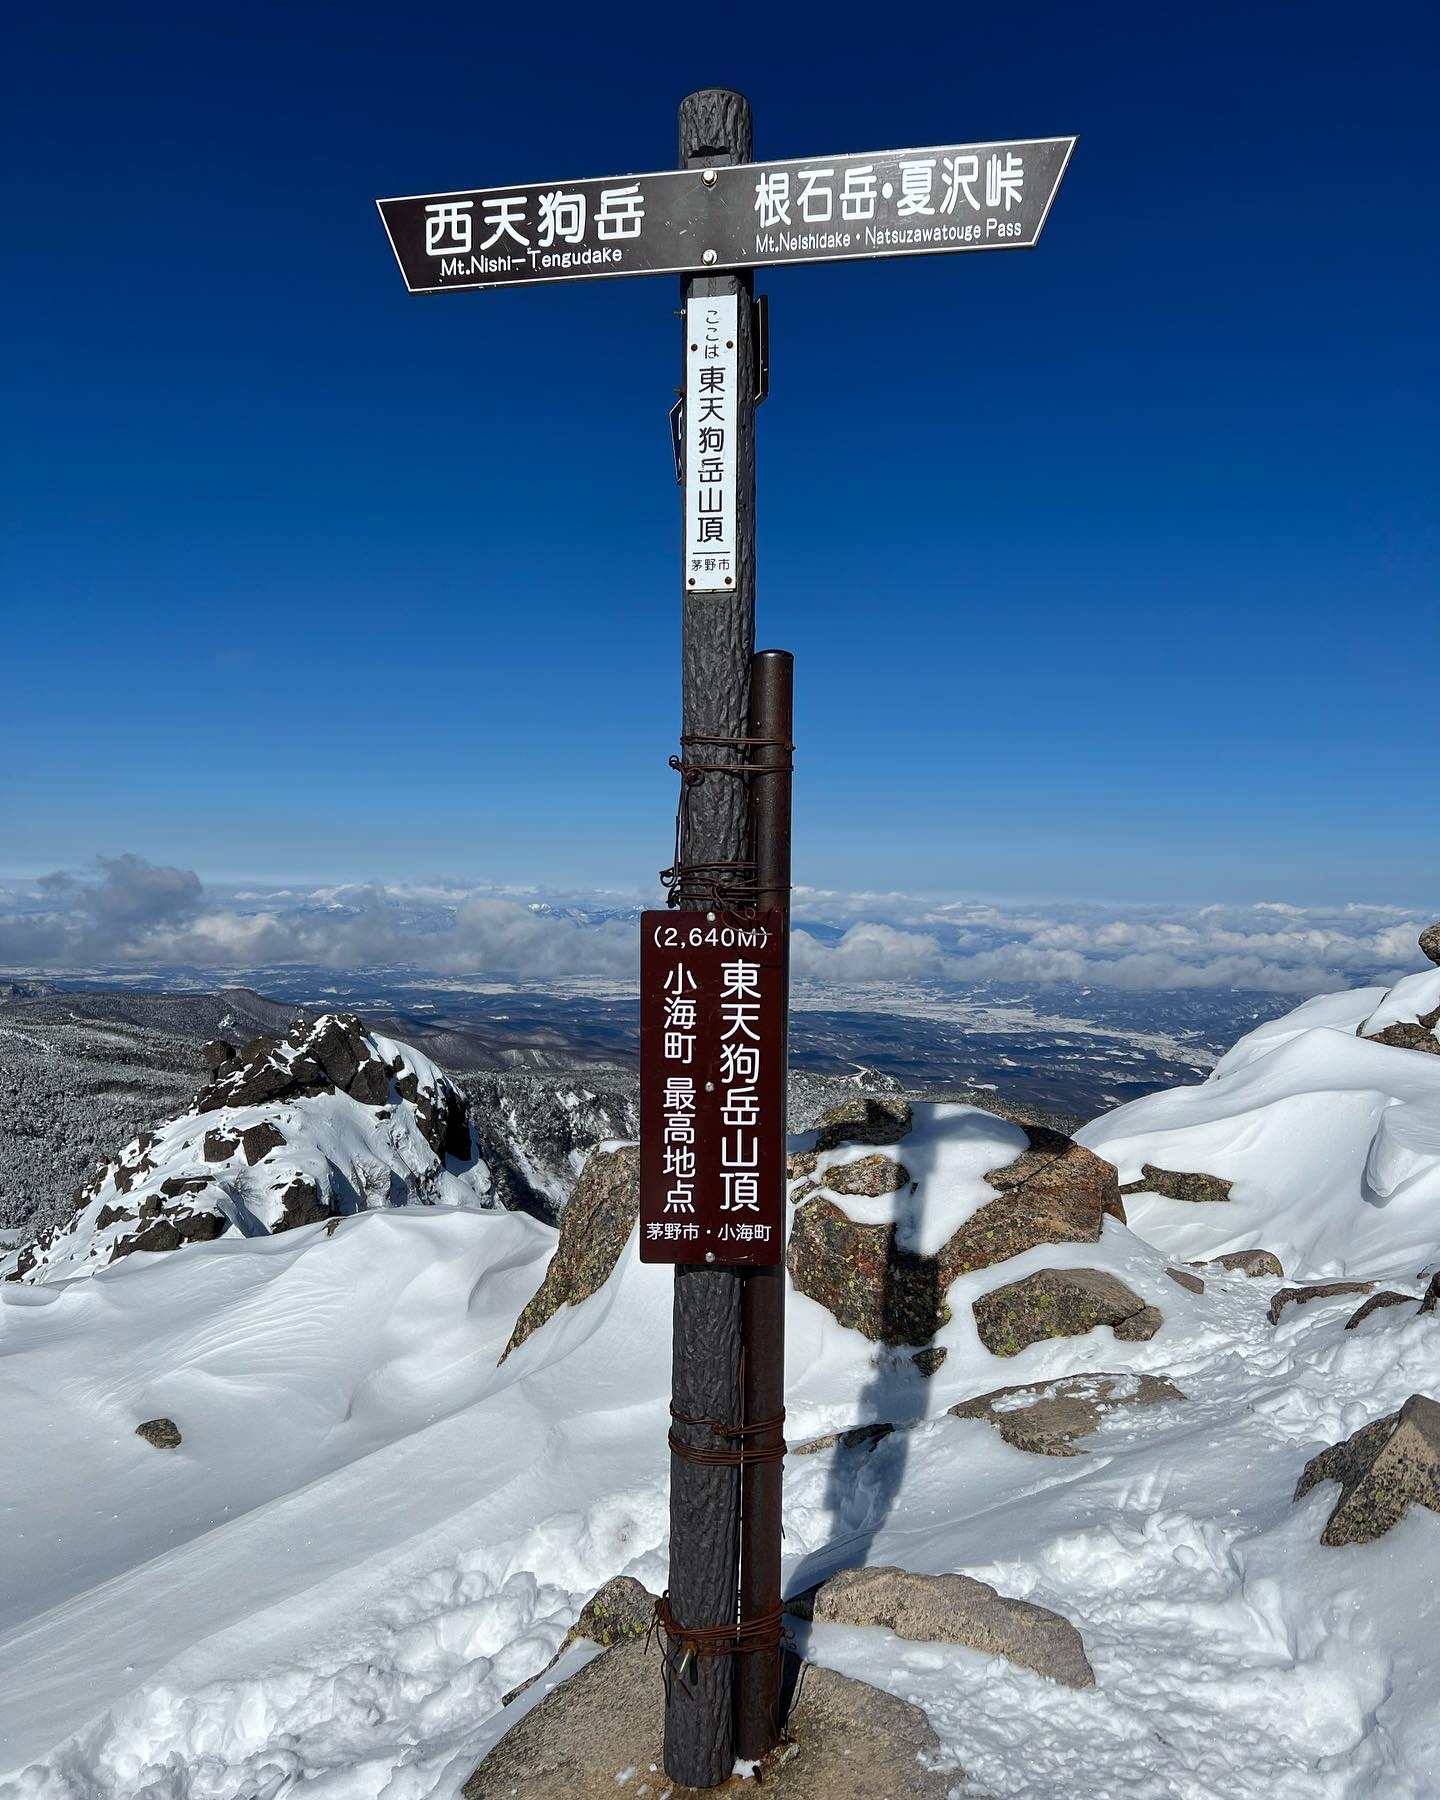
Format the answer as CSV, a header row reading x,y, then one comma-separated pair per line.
x,y
1179,1184
954,1609
1046,1417
594,1229
1381,1469
1061,1303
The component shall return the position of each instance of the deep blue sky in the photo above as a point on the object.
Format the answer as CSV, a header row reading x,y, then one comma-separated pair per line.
x,y
1110,567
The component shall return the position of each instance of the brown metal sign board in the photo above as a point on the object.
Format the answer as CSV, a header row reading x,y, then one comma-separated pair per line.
x,y
712,1087
948,197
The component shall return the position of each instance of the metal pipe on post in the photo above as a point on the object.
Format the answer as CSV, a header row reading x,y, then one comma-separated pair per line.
x,y
718,642
758,1674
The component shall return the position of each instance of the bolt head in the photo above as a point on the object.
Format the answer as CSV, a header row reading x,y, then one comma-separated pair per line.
x,y
709,177
708,257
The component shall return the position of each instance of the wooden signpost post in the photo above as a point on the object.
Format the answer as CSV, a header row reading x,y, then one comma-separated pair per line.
x,y
714,964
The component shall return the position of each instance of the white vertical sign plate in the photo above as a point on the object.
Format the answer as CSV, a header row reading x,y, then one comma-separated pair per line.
x,y
711,415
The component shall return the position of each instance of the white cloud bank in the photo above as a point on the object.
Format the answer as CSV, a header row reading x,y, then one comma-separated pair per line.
x,y
126,912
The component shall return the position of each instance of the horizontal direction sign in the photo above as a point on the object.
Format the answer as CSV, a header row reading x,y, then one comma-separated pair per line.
x,y
946,198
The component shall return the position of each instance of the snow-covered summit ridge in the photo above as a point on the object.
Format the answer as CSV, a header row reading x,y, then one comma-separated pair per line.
x,y
328,1120
1329,1135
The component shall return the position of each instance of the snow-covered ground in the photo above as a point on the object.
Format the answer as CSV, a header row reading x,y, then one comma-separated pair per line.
x,y
372,1530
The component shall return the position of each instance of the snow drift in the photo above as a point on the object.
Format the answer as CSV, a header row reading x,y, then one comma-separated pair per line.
x,y
372,1528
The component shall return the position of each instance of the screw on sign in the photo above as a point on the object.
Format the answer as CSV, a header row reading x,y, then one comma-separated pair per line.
x,y
714,968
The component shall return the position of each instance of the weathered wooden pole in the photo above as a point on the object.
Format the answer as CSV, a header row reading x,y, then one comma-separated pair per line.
x,y
758,1670
717,647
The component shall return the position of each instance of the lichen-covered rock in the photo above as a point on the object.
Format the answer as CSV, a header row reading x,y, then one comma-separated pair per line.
x,y
620,1612
1184,1279
1060,1303
594,1229
867,1119
1406,1034
1045,1417
863,1277
1431,1297
1179,1184
1430,942
1320,1290
164,1434
955,1609
1054,1192
870,1176
1249,1262
1382,1469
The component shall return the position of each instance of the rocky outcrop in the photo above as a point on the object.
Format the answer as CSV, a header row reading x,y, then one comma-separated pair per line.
x,y
1046,1417
591,1735
867,1119
1183,1278
594,1229
1061,1303
1054,1192
1179,1184
1320,1290
1430,942
954,1609
1408,1018
287,1132
1382,1469
1406,1034
331,1055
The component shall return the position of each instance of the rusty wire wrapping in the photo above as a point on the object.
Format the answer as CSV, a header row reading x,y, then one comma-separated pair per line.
x,y
727,886
692,1642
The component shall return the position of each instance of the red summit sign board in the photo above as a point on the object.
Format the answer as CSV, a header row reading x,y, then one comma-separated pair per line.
x,y
712,1088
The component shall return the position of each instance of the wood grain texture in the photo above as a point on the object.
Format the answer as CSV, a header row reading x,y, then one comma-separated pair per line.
x,y
718,641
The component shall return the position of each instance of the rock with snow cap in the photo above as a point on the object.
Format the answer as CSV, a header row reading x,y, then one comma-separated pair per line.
x,y
1052,1192
956,1609
1046,1417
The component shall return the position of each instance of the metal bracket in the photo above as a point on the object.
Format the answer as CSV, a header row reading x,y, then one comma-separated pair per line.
x,y
761,317
677,426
